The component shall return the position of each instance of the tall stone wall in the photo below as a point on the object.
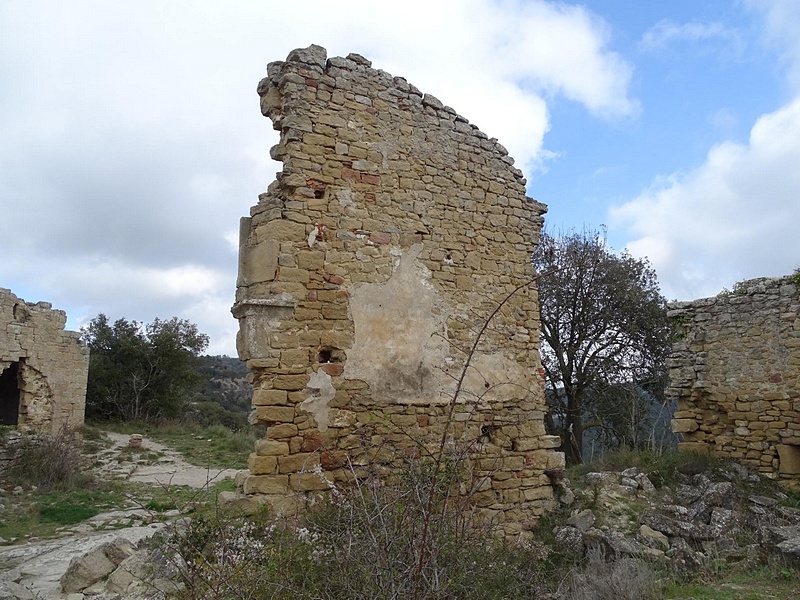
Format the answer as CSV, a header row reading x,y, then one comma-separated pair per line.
x,y
366,271
735,371
43,368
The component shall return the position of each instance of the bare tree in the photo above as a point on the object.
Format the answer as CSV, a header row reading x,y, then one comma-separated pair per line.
x,y
604,328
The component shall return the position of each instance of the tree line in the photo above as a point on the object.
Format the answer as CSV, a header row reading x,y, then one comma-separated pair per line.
x,y
155,371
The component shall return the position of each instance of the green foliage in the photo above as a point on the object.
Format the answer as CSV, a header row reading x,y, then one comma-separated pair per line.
x,y
212,446
72,507
141,372
796,277
605,339
769,582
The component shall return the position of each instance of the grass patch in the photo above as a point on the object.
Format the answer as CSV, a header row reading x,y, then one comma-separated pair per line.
x,y
773,582
40,515
203,446
665,469
74,506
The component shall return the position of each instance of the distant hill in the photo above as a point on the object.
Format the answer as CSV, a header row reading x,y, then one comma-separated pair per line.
x,y
227,388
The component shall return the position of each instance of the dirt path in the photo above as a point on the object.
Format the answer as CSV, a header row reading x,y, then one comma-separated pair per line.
x,y
38,565
170,469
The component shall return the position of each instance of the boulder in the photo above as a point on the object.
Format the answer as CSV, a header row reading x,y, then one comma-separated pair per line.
x,y
569,539
13,591
95,565
581,520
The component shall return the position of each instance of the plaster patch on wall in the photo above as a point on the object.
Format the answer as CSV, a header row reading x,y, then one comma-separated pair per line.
x,y
493,378
396,350
322,392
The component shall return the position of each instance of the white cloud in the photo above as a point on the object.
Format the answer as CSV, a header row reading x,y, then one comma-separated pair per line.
x,y
133,142
781,24
666,32
732,218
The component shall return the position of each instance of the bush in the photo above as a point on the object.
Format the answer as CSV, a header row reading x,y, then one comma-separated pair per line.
x,y
373,540
50,461
604,579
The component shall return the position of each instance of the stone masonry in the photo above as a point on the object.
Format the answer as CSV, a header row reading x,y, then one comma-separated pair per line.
x,y
43,368
735,371
366,270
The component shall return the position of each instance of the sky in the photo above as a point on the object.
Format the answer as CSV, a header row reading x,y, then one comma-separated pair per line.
x,y
131,140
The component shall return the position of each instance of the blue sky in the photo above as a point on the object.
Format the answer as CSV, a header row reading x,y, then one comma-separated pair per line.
x,y
132,141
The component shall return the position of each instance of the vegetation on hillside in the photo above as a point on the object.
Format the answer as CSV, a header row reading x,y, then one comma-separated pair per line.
x,y
155,372
141,371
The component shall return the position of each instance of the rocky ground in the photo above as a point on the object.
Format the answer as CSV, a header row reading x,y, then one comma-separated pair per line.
x,y
103,557
706,517
694,522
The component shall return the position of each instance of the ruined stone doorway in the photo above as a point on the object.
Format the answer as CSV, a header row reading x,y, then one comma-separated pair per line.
x,y
9,395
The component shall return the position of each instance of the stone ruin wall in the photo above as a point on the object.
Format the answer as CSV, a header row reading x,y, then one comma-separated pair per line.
x,y
393,230
43,366
736,374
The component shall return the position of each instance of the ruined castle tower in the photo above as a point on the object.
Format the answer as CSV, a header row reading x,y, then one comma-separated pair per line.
x,y
366,272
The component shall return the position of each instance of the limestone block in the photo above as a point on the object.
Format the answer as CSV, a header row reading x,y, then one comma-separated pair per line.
x,y
789,457
266,397
550,441
281,431
303,461
274,414
93,566
262,465
684,425
271,448
266,484
305,482
259,263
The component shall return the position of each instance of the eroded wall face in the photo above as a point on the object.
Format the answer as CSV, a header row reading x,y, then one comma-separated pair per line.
x,y
736,374
366,271
50,365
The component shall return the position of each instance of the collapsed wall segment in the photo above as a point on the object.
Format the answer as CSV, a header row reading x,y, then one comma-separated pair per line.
x,y
393,230
735,371
43,368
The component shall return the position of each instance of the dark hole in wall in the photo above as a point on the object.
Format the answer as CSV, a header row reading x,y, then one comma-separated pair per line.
x,y
9,395
330,354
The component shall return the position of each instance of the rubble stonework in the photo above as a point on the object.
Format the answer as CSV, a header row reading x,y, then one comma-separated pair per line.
x,y
735,371
392,232
43,368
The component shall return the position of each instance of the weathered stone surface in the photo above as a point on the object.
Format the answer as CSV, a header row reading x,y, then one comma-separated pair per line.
x,y
97,564
789,459
43,368
365,268
735,371
654,539
13,591
569,539
582,520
